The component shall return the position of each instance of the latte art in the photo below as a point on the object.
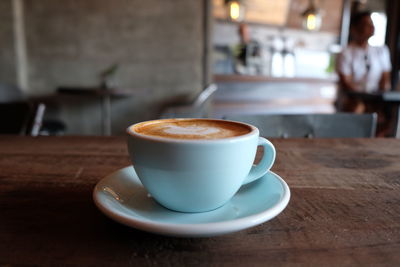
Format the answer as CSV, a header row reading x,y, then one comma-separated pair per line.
x,y
192,129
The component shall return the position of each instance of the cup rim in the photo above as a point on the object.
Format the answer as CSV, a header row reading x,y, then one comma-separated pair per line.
x,y
254,131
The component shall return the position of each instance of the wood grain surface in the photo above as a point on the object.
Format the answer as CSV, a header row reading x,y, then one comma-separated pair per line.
x,y
344,210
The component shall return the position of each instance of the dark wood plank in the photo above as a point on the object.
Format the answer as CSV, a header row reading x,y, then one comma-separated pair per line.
x,y
345,208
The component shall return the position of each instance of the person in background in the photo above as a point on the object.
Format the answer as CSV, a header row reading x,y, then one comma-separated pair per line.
x,y
247,53
362,68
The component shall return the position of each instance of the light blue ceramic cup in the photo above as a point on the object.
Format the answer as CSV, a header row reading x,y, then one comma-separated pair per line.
x,y
197,175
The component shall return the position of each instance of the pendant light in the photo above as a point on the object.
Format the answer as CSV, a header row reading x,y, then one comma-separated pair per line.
x,y
236,10
312,17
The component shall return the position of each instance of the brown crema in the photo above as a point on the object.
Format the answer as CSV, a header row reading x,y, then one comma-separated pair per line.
x,y
192,129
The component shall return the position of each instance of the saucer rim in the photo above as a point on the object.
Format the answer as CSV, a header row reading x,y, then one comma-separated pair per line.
x,y
191,229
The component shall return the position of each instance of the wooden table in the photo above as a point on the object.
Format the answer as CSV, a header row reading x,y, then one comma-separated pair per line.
x,y
344,210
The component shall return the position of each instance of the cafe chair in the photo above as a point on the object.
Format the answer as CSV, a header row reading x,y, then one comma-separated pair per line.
x,y
337,125
21,118
198,108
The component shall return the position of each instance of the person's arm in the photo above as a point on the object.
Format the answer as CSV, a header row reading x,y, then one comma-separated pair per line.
x,y
346,83
343,69
384,83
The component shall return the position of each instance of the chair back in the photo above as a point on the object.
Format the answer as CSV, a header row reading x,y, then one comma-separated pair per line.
x,y
205,95
337,125
22,118
198,108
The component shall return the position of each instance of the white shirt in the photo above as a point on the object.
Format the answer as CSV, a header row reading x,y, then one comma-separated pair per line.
x,y
365,66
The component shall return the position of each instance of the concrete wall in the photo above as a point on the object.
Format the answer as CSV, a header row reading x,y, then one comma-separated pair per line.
x,y
154,42
157,44
7,55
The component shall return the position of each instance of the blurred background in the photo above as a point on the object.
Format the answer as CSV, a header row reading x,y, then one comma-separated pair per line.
x,y
97,66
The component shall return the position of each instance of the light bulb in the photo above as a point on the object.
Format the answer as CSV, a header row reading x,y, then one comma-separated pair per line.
x,y
311,22
234,10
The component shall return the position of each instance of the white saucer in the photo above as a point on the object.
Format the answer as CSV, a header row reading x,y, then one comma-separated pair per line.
x,y
122,197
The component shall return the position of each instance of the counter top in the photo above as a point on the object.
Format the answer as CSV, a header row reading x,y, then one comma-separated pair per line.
x,y
250,78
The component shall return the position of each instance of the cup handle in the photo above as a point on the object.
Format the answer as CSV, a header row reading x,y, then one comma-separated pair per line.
x,y
257,171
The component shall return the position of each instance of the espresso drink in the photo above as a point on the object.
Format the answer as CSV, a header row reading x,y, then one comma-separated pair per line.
x,y
192,129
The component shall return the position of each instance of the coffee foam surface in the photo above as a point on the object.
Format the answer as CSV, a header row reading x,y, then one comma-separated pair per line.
x,y
193,129
189,130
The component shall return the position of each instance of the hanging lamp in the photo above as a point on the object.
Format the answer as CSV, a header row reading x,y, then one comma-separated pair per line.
x,y
235,9
312,17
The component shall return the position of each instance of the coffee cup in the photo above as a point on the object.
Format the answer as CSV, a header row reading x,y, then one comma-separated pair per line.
x,y
196,165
